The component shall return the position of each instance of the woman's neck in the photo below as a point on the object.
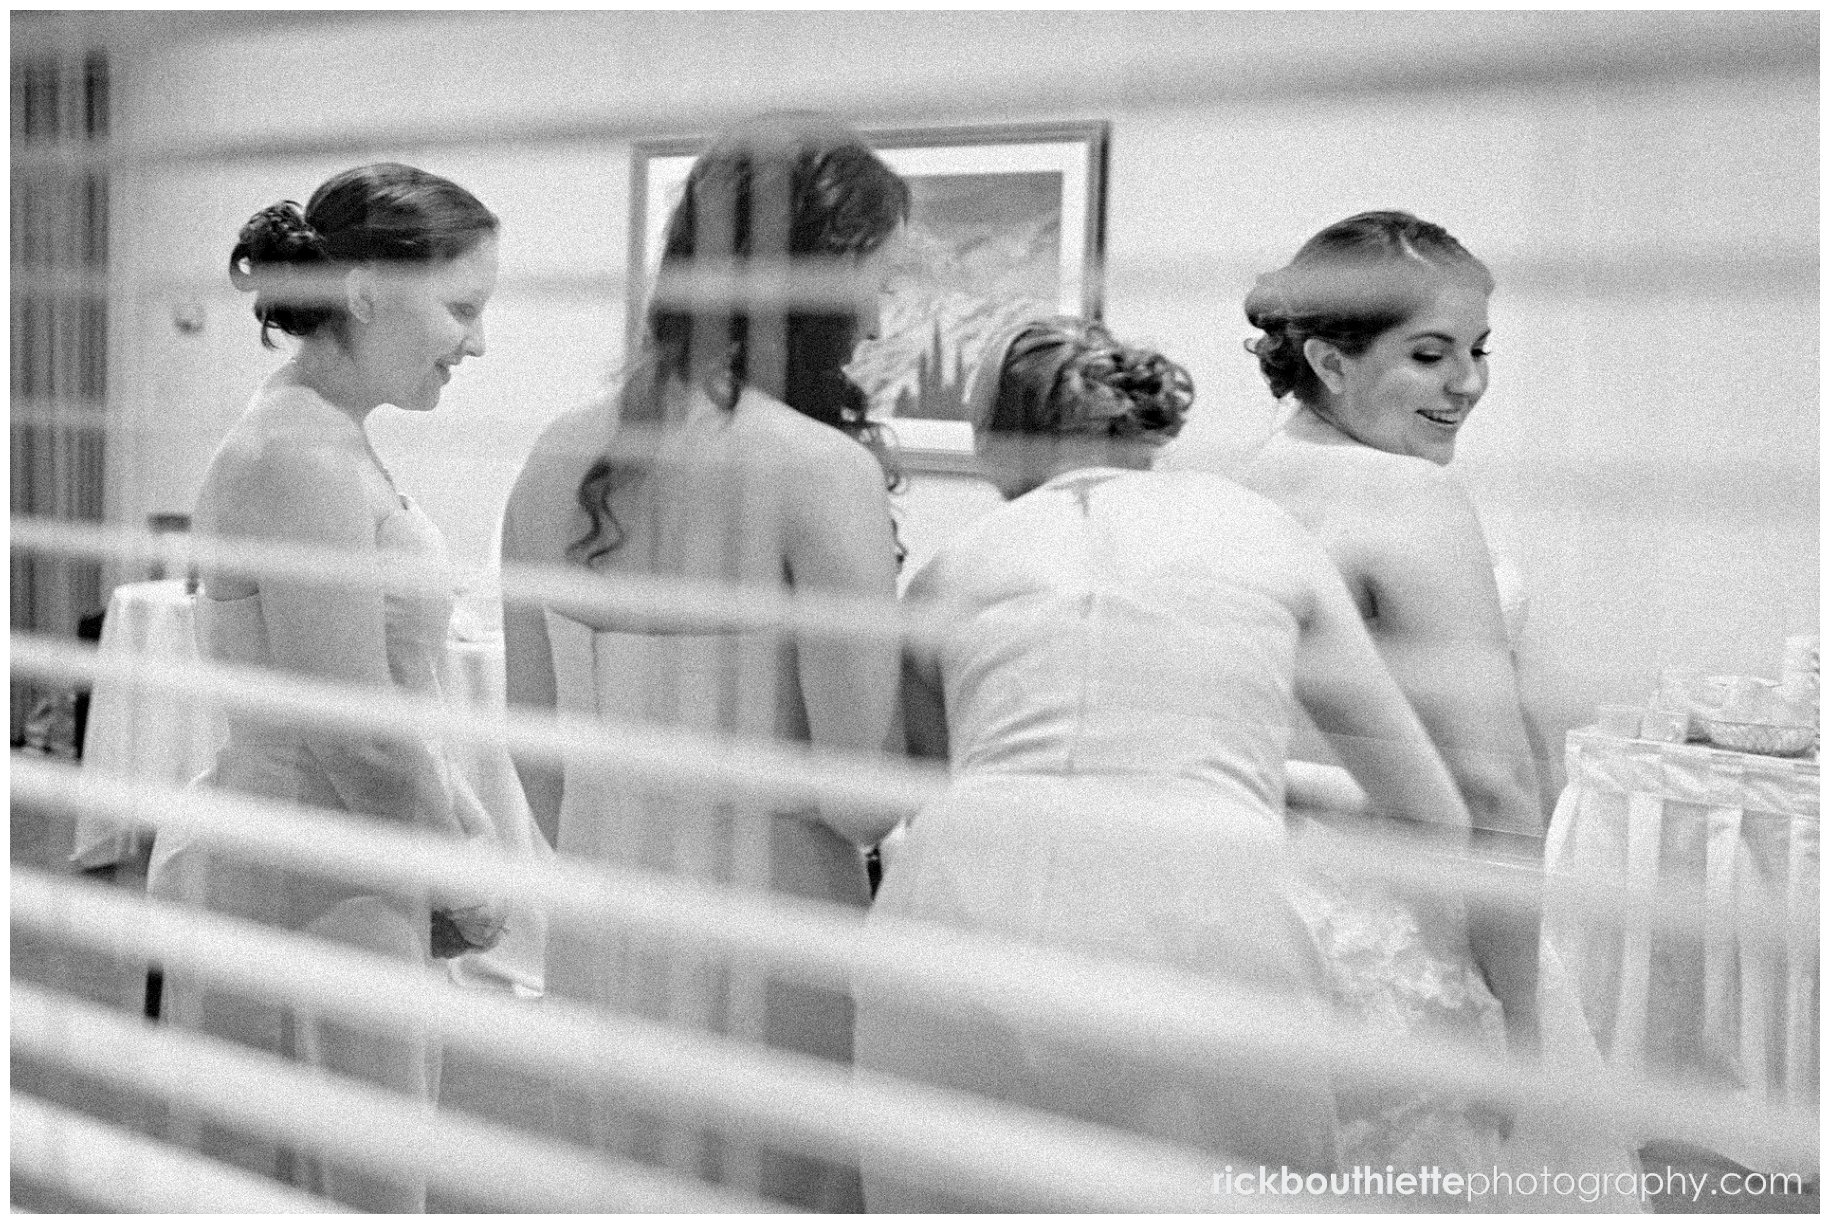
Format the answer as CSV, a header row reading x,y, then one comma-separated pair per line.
x,y
1311,425
1077,455
1020,463
320,365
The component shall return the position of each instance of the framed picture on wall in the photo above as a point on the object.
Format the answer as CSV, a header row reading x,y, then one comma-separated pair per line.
x,y
1007,223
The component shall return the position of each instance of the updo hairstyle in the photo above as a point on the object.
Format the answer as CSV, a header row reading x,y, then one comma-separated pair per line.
x,y
1070,376
1349,285
381,213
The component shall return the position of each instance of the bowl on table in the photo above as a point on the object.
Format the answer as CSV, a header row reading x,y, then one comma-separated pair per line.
x,y
1767,738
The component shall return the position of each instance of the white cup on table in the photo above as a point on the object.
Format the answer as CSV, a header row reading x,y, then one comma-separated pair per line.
x,y
1621,720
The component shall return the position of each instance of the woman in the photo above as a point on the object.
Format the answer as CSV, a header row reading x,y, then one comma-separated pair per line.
x,y
382,278
1378,329
737,454
1115,696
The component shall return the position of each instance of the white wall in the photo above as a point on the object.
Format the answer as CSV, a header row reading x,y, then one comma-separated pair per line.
x,y
1647,453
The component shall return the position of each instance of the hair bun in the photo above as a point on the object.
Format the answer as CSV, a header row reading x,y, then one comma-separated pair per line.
x,y
277,235
1129,392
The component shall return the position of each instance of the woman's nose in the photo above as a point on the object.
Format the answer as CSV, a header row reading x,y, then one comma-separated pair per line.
x,y
1468,379
473,339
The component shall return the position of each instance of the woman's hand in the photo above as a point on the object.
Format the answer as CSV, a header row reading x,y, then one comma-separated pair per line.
x,y
471,928
467,919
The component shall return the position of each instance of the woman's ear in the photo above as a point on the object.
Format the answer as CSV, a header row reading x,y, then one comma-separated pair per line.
x,y
1328,362
359,294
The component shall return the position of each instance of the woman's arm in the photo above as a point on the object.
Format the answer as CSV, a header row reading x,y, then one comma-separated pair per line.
x,y
528,658
924,712
838,541
1344,687
1439,628
1355,702
1440,631
332,630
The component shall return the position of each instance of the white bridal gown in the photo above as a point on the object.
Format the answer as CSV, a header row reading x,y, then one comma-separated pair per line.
x,y
1390,969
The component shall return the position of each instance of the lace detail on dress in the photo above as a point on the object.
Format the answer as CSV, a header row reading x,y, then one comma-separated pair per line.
x,y
1385,970
1382,967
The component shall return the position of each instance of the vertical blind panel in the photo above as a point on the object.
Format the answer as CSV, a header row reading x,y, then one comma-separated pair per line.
x,y
59,339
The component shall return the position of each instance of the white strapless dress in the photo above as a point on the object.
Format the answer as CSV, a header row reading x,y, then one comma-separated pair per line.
x,y
714,683
270,760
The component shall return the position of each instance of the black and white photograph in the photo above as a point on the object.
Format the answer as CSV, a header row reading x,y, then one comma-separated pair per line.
x,y
1079,611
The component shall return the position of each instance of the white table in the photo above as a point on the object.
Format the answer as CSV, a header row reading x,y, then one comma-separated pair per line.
x,y
1741,830
144,735
140,733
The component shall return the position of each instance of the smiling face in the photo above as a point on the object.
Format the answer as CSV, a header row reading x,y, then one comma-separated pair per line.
x,y
423,320
1410,392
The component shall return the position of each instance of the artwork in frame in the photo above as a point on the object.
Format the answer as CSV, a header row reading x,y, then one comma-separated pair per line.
x,y
1007,223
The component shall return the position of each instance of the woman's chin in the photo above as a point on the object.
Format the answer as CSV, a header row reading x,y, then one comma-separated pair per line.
x,y
1436,450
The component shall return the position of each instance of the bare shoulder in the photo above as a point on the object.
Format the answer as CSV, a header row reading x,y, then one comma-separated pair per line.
x,y
770,421
1399,515
1357,490
1405,488
289,446
815,462
566,448
544,499
297,482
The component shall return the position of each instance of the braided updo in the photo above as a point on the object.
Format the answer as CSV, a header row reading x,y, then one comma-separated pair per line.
x,y
272,247
384,212
1070,376
1349,285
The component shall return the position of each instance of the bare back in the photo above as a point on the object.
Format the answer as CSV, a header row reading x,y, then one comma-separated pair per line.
x,y
1363,506
759,497
720,501
1405,538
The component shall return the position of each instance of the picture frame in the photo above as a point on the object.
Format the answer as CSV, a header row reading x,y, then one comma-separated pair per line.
x,y
1007,223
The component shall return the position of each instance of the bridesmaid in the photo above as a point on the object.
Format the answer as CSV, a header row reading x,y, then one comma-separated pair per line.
x,y
736,453
382,279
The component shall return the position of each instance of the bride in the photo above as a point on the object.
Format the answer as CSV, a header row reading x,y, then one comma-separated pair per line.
x,y
1378,329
